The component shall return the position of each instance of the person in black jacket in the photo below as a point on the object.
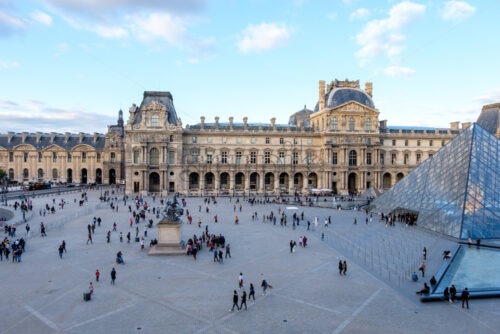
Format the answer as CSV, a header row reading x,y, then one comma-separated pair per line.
x,y
465,297
243,300
235,301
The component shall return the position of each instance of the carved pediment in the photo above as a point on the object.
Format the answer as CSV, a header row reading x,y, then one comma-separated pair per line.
x,y
155,106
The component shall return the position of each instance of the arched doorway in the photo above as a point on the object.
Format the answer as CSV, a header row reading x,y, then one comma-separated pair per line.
x,y
84,176
112,176
269,181
209,180
284,181
351,183
98,176
224,181
254,181
69,175
26,174
194,181
313,180
154,182
40,174
298,181
239,181
386,181
399,177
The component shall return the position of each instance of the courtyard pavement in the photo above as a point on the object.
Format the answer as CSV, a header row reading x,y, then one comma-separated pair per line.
x,y
154,294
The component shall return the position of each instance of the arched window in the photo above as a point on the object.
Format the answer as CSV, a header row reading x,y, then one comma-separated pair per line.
x,y
26,174
136,156
351,124
368,124
154,156
54,174
353,158
155,121
335,124
40,173
11,173
112,156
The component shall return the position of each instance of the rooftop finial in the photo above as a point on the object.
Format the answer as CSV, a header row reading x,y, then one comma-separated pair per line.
x,y
120,118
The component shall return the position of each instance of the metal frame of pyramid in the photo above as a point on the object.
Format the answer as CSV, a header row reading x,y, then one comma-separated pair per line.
x,y
456,192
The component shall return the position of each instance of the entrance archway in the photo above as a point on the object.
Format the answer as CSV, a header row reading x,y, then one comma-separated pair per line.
x,y
112,176
386,181
224,181
254,181
284,181
194,181
351,183
298,181
269,181
98,176
154,182
209,180
239,181
399,177
84,176
69,175
313,180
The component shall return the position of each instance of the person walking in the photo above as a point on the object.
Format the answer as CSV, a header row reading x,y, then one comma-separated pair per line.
x,y
422,268
128,237
228,251
60,251
424,253
108,237
291,246
341,267
221,256
264,286
64,246
243,300
465,297
113,276
240,280
91,289
142,244
235,301
216,256
97,274
251,292
344,268
121,237
89,238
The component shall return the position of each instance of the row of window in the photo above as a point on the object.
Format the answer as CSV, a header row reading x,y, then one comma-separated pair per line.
x,y
69,157
55,173
194,140
419,142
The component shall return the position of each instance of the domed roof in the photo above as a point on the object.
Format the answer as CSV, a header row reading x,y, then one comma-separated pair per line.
x,y
339,96
301,114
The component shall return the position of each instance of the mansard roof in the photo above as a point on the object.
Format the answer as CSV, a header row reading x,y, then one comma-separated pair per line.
x,y
45,140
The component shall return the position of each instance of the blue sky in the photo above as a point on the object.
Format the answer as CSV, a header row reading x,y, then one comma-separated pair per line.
x,y
70,65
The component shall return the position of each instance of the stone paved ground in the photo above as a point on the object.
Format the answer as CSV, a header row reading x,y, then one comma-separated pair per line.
x,y
43,294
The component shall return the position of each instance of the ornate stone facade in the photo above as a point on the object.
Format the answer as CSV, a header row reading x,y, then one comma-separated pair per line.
x,y
341,145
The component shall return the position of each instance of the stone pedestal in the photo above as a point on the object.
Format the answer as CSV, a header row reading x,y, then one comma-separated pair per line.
x,y
169,239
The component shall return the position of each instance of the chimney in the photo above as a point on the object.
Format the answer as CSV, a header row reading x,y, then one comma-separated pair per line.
x,y
321,94
369,88
25,134
66,136
245,123
231,119
300,123
38,136
383,124
96,135
273,123
9,136
202,122
454,125
217,122
80,137
52,136
466,125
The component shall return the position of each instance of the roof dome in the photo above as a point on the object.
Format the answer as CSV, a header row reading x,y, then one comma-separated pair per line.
x,y
339,96
302,114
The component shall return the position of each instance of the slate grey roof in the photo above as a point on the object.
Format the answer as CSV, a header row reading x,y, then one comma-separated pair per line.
x,y
164,98
45,141
302,114
339,96
250,126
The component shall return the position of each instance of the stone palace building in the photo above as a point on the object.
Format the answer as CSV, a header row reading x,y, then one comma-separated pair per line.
x,y
341,146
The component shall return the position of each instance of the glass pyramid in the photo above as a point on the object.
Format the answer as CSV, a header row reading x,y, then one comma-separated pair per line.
x,y
455,192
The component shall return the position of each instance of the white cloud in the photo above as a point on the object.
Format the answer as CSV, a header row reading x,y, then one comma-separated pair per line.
x,y
489,97
41,17
385,36
8,64
331,16
149,28
111,31
360,13
398,71
11,24
457,10
264,36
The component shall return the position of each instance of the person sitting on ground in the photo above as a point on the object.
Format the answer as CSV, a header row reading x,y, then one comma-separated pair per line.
x,y
425,290
414,277
433,281
446,255
119,258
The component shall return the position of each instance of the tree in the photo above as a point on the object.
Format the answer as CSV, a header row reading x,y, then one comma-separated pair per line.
x,y
3,174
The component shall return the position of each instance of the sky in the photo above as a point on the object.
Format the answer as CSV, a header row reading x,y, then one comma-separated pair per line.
x,y
70,65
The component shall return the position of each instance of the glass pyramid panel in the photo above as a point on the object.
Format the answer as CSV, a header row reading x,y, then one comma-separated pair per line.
x,y
459,184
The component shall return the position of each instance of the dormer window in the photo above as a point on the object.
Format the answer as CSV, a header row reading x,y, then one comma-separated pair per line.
x,y
155,121
351,124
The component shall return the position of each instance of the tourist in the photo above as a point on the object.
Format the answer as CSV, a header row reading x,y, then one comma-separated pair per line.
x,y
221,259
121,237
89,238
235,301
128,237
142,245
414,277
433,281
425,290
91,289
341,267
453,293
228,251
424,253
113,276
251,292
216,256
97,274
446,294
42,230
243,300
108,237
240,280
422,268
119,258
465,297
291,246
61,251
64,246
344,268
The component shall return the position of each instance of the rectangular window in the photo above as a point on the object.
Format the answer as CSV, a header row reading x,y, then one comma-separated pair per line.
x,y
136,138
84,157
309,141
238,140
194,157
223,140
431,143
381,142
267,140
282,158
54,156
25,157
295,141
309,157
334,158
238,158
419,157
252,140
368,158
209,140
209,157
194,139
382,156
418,142
171,157
394,142
406,142
224,158
281,141
253,157
39,156
406,159
267,157
11,156
155,121
295,158
112,157
98,157
393,158
70,156
136,157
